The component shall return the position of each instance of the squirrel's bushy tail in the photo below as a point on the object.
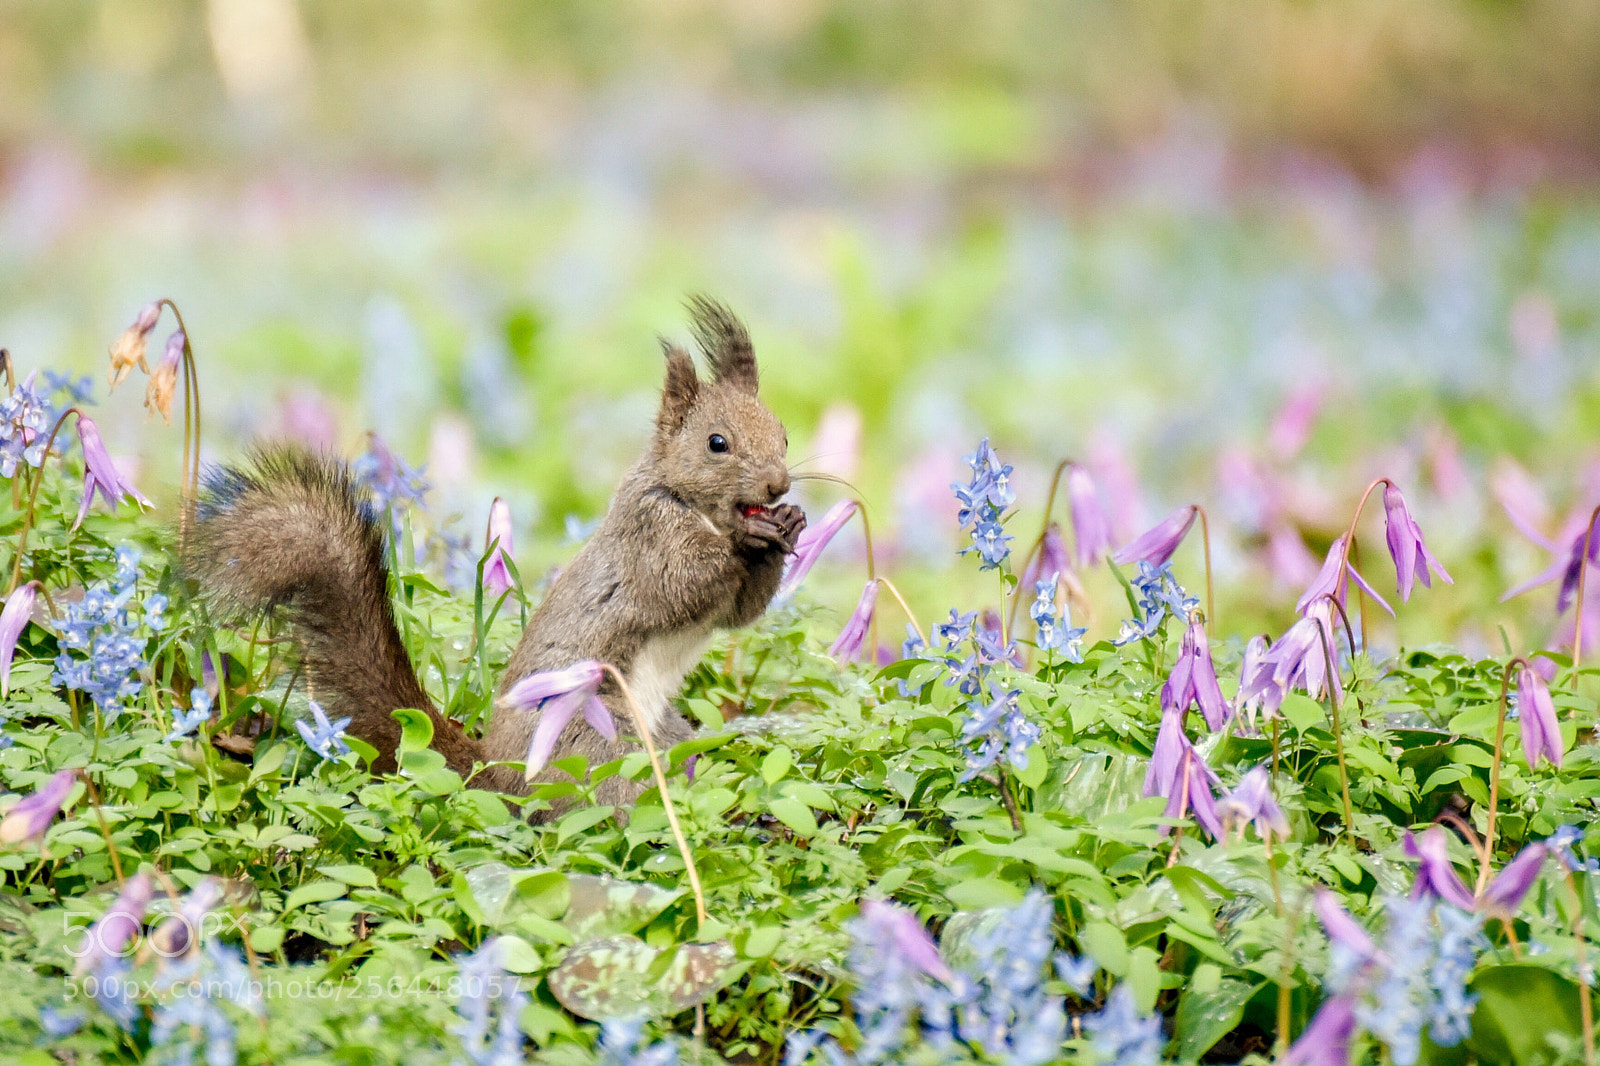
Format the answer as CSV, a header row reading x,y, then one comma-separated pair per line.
x,y
288,529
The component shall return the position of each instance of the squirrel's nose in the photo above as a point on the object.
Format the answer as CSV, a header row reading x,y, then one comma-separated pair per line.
x,y
777,485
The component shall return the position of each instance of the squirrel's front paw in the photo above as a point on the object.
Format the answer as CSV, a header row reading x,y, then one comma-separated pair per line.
x,y
775,527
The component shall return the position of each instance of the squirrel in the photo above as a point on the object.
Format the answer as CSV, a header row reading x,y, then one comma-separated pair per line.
x,y
694,540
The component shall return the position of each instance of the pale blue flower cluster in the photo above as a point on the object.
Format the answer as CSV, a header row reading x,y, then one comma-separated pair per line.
x,y
1160,595
1056,633
184,723
24,427
622,1043
1429,950
995,1007
394,485
106,624
191,1018
490,999
996,728
983,503
1121,1035
994,725
324,737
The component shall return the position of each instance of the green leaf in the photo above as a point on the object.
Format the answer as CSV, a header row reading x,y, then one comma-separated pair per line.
x,y
1107,945
1206,1016
517,955
1038,767
776,764
1302,711
762,941
315,892
1477,721
794,814
416,729
1513,996
351,875
578,821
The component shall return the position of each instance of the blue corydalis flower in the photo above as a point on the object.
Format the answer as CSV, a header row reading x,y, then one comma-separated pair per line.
x,y
185,722
1159,595
491,998
25,420
1121,1035
983,503
1077,971
324,737
1055,634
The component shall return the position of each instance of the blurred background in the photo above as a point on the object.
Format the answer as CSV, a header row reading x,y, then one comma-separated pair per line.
x,y
1247,254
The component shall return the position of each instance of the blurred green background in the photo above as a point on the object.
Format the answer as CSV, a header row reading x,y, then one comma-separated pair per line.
x,y
1246,254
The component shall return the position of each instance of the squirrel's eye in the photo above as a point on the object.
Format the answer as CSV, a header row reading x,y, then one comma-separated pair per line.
x,y
718,443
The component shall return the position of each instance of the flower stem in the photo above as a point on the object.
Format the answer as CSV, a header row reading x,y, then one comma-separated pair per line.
x,y
191,427
1044,531
1338,729
1349,545
643,727
33,501
1205,543
872,575
886,583
1494,770
1579,943
105,830
1583,576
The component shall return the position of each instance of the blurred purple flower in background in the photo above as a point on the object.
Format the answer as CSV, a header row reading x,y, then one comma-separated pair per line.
x,y
1156,544
1412,559
1091,526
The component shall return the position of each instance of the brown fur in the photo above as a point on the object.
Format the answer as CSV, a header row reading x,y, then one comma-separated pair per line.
x,y
674,557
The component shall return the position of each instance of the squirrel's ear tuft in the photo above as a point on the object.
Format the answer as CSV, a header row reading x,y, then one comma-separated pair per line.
x,y
681,389
726,343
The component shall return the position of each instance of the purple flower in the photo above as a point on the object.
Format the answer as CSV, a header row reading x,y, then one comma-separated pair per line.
x,y
128,352
1505,893
13,620
1191,792
1344,931
1091,526
1406,547
100,473
1297,660
847,646
1251,801
1257,690
808,546
1194,678
1334,578
1536,713
557,694
1156,545
1165,757
496,571
105,940
1326,1041
1051,559
890,924
1436,876
31,815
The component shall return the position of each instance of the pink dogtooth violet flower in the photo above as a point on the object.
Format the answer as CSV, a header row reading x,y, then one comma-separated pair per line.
x,y
1156,544
846,648
1412,559
558,695
1436,876
1091,525
808,547
496,573
1334,578
13,621
1511,885
100,473
1536,714
1192,792
106,938
1326,1041
1194,678
1251,801
28,819
909,936
128,351
1167,753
